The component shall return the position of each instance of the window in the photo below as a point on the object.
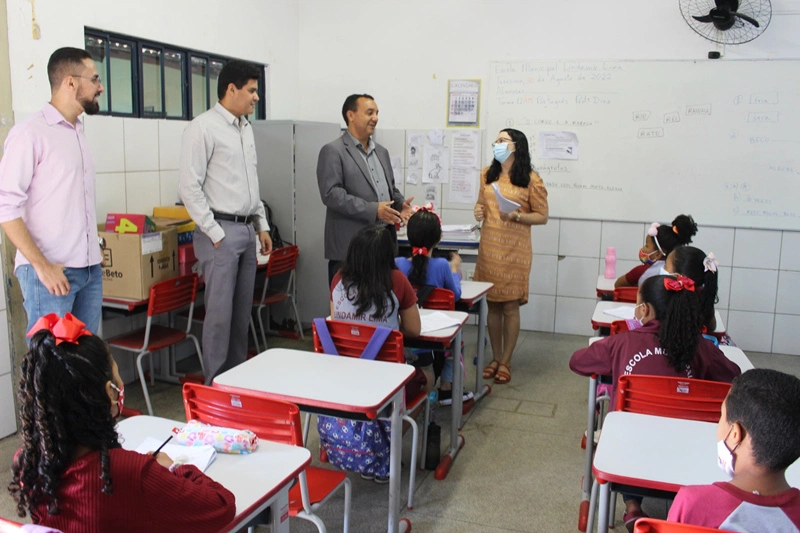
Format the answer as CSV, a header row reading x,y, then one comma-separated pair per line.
x,y
154,80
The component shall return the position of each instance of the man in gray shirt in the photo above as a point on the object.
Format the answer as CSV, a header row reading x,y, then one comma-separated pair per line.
x,y
356,183
219,186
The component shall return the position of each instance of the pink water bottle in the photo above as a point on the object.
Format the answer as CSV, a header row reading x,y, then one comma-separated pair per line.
x,y
611,263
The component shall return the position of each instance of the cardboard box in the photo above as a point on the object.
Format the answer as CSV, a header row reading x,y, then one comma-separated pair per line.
x,y
133,263
129,223
184,226
171,211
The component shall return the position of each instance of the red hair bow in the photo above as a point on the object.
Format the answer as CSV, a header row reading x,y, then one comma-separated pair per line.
x,y
678,284
68,329
419,251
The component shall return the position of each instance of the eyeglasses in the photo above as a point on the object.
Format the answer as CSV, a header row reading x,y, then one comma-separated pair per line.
x,y
502,141
94,79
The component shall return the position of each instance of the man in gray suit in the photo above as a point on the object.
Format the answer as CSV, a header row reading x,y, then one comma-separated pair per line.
x,y
356,182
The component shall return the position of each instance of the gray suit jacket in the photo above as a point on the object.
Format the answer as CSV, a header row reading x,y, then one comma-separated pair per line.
x,y
348,192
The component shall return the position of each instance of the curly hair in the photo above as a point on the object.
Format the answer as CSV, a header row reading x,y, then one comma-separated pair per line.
x,y
520,173
424,230
678,313
367,271
688,261
62,405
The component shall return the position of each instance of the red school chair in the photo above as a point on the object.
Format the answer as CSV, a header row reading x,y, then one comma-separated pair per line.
x,y
669,397
626,294
439,299
275,421
350,339
165,297
652,525
281,261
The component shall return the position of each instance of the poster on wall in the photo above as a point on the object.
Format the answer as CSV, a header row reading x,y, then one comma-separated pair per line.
x,y
464,185
463,103
435,164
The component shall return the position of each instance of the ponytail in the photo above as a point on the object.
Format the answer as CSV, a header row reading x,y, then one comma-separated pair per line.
x,y
679,233
677,310
424,233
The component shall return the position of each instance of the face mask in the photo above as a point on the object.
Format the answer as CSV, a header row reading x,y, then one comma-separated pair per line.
x,y
501,152
645,258
725,456
120,399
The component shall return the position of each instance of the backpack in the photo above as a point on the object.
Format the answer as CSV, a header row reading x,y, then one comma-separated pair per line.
x,y
274,232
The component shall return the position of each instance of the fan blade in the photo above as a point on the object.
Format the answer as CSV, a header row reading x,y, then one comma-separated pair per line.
x,y
704,18
751,20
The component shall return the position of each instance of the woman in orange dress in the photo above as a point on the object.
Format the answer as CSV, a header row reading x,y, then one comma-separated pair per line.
x,y
504,255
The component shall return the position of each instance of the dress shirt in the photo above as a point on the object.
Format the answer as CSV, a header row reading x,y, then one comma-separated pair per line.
x,y
376,173
218,171
47,178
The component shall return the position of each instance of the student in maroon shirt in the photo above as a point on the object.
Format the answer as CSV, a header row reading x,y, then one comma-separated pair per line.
x,y
71,472
668,343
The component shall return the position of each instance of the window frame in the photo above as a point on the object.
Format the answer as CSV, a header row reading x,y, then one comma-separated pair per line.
x,y
137,76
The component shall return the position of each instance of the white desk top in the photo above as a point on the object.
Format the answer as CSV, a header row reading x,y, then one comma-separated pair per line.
x,y
319,380
253,478
473,290
731,352
605,285
601,319
445,335
662,453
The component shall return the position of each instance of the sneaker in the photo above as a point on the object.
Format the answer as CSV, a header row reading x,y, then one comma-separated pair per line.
x,y
380,480
446,397
368,477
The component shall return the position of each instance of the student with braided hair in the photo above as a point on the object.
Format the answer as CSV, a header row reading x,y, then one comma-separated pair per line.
x,y
661,239
666,343
71,472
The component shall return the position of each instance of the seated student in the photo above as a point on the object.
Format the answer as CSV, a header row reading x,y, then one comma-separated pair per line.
x,y
758,439
424,232
660,241
369,289
702,269
668,343
71,472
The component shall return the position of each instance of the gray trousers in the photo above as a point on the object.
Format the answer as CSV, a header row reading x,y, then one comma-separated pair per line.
x,y
229,273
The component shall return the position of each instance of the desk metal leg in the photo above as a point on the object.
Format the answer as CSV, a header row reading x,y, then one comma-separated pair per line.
x,y
280,511
583,511
395,452
480,389
602,507
456,440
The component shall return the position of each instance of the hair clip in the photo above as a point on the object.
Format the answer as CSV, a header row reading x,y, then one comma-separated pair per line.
x,y
67,329
710,263
422,250
675,230
653,229
429,208
678,284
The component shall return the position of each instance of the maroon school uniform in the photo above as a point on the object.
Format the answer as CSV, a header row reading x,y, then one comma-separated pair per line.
x,y
640,352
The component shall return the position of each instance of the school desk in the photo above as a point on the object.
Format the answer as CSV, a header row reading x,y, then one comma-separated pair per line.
x,y
474,292
259,481
337,386
602,320
658,453
604,286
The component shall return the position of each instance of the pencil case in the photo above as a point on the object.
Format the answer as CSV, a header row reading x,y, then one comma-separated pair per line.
x,y
223,440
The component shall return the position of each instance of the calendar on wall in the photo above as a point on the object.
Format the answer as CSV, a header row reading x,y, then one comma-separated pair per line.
x,y
463,103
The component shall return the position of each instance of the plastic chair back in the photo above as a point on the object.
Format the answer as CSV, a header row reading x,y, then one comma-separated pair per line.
x,y
272,420
282,260
652,525
440,300
618,326
626,294
672,397
351,338
172,294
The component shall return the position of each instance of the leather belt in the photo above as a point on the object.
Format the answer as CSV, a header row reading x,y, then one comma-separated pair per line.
x,y
241,219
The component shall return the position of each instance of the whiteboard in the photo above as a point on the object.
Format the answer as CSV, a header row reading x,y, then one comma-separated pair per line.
x,y
717,139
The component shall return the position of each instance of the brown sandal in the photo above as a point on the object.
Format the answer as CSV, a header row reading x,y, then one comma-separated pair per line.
x,y
491,369
503,376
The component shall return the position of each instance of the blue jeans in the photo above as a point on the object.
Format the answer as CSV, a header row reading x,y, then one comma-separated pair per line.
x,y
85,298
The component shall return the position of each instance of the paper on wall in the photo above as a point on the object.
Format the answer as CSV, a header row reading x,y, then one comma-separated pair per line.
x,y
506,206
436,137
412,176
397,166
432,196
414,150
435,164
465,149
558,145
464,185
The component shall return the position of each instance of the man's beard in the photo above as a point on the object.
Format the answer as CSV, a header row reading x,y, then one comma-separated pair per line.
x,y
90,105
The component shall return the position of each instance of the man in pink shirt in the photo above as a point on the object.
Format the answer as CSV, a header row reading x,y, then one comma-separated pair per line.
x,y
47,196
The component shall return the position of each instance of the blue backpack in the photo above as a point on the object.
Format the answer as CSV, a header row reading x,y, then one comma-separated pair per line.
x,y
355,445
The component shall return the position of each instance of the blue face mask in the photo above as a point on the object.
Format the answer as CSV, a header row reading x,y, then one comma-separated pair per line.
x,y
501,152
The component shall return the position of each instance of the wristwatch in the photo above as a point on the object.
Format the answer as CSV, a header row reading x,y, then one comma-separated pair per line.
x,y
519,216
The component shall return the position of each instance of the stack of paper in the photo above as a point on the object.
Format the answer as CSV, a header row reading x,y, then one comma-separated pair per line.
x,y
199,456
459,232
435,321
506,206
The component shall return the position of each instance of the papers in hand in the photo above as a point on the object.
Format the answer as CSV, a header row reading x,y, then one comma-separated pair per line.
x,y
506,206
435,321
624,312
199,456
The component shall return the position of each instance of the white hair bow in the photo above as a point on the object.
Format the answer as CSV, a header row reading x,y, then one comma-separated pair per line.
x,y
710,263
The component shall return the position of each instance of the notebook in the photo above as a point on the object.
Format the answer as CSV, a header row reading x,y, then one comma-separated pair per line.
x,y
199,456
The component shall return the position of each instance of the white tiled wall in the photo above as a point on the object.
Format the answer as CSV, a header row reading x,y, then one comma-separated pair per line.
x,y
759,278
